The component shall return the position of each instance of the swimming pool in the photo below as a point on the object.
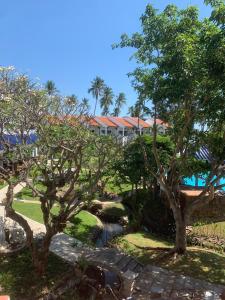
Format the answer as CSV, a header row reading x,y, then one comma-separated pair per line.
x,y
199,181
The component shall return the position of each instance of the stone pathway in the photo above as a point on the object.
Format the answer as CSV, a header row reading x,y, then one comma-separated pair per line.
x,y
17,189
71,250
149,282
157,283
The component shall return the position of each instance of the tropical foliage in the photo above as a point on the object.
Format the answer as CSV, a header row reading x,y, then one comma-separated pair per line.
x,y
181,72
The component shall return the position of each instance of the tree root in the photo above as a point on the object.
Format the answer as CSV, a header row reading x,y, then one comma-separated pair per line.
x,y
153,248
170,254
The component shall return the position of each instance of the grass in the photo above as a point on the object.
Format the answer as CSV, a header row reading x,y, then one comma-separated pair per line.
x,y
83,225
19,280
31,210
27,194
2,184
114,209
210,230
112,187
197,262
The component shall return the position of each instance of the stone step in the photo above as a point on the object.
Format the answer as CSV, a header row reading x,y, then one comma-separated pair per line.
x,y
138,268
123,263
131,265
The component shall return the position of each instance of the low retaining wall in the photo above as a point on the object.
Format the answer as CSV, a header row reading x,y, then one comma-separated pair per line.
x,y
214,211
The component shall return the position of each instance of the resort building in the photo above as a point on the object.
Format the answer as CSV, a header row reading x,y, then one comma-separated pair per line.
x,y
125,127
161,125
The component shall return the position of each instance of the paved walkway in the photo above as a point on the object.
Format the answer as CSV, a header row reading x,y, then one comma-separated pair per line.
x,y
150,282
3,192
17,189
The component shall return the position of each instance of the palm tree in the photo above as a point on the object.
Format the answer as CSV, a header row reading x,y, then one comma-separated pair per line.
x,y
106,100
72,100
85,104
120,101
54,98
51,88
96,89
134,110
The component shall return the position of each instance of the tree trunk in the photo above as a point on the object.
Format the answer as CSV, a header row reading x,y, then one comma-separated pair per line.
x,y
144,184
40,254
181,238
40,262
136,187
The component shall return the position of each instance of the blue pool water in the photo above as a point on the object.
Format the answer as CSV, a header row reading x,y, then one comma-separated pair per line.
x,y
199,181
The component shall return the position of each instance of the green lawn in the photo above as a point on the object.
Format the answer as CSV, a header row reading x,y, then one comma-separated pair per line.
x,y
199,263
83,225
112,187
19,280
210,230
26,193
31,210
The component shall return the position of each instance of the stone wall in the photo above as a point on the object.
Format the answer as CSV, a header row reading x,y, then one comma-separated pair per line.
x,y
214,211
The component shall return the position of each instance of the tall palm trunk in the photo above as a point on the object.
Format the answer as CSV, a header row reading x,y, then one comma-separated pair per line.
x,y
96,103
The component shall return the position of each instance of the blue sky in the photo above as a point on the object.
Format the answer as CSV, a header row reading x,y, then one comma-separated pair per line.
x,y
70,41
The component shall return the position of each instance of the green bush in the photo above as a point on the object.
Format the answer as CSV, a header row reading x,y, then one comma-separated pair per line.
x,y
112,211
150,210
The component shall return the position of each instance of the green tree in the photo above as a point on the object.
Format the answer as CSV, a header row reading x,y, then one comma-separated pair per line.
x,y
51,88
65,149
85,104
72,100
134,169
139,109
120,101
107,100
96,89
145,203
180,74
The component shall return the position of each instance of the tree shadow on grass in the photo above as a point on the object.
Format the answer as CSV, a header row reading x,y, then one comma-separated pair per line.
x,y
201,264
83,232
114,211
197,262
19,280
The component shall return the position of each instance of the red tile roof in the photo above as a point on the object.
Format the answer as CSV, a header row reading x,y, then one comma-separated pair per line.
x,y
93,122
129,122
158,122
121,122
106,121
137,121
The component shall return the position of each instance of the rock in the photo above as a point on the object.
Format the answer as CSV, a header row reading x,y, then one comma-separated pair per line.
x,y
128,283
96,205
